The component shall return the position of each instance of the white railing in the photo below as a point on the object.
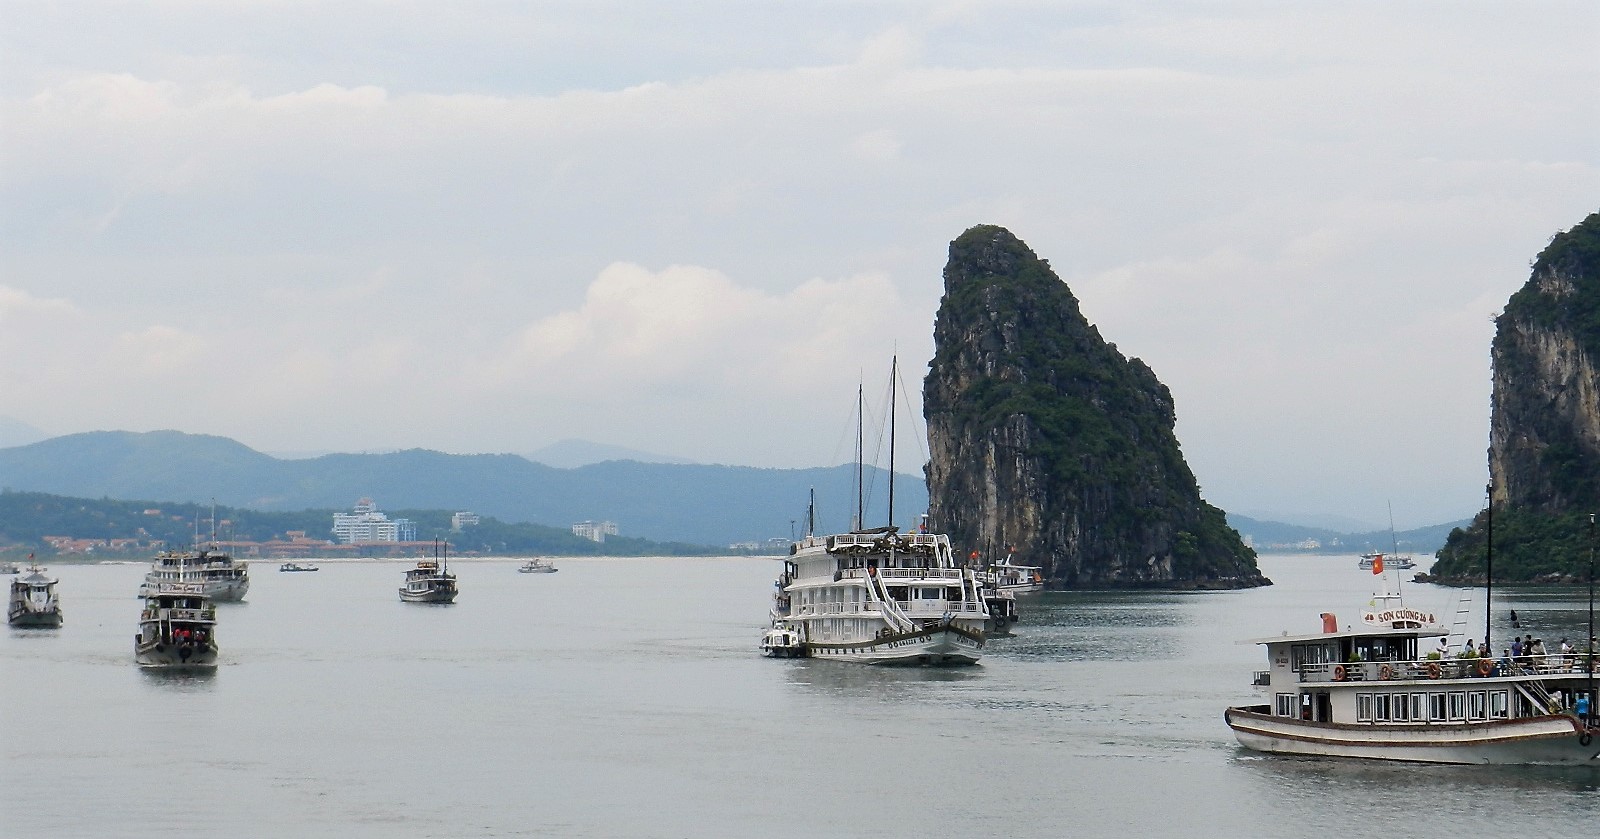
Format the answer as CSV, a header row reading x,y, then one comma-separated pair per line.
x,y
1445,668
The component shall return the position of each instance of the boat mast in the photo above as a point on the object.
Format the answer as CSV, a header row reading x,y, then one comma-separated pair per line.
x,y
1588,720
861,422
1488,572
894,372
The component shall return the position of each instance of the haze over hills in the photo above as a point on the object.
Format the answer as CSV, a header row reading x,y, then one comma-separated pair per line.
x,y
571,453
700,504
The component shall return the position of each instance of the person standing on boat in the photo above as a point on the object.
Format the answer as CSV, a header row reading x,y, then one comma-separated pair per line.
x,y
1444,647
1516,648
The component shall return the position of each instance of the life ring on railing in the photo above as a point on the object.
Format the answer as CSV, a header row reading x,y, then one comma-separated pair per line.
x,y
1433,670
1385,672
1485,667
1339,674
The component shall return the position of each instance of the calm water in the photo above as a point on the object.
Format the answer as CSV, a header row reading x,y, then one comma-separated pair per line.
x,y
626,698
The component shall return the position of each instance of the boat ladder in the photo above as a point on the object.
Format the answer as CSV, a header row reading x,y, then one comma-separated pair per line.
x,y
1458,627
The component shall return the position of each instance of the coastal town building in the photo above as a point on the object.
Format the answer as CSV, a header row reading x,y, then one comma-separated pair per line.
x,y
463,520
595,531
367,524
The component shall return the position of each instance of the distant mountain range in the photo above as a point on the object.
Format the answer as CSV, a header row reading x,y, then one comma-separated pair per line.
x,y
698,504
1277,537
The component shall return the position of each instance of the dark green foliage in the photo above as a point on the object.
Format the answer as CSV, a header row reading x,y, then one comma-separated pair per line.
x,y
1529,547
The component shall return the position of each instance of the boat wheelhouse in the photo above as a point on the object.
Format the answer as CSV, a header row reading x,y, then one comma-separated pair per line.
x,y
1373,691
881,597
224,577
177,627
33,601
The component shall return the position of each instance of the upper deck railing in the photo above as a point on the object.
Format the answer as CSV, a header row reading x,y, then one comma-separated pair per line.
x,y
1555,664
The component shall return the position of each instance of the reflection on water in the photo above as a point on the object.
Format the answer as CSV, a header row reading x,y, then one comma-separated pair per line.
x,y
180,679
850,680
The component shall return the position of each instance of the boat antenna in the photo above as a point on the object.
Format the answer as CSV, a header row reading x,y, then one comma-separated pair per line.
x,y
1588,720
894,371
811,514
1488,571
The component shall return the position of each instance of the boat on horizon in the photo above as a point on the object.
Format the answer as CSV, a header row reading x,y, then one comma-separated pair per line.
x,y
177,627
1388,560
224,578
34,602
430,581
296,567
537,566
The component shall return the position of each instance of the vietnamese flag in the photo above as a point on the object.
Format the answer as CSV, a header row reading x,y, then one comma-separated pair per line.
x,y
1377,564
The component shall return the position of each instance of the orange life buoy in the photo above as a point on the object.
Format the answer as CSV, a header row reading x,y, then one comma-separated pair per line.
x,y
1338,673
1433,670
1385,672
1485,667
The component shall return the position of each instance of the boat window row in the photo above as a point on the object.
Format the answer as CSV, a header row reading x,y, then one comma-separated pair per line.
x,y
1436,706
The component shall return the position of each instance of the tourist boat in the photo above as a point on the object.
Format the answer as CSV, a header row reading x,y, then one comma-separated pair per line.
x,y
10,567
224,578
1373,692
1016,579
177,628
1396,561
295,566
33,600
1002,608
882,597
430,581
783,641
538,566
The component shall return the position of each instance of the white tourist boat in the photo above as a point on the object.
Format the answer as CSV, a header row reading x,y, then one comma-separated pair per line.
x,y
177,627
224,578
430,581
881,597
538,566
1397,561
11,567
1371,691
1016,579
34,602
295,567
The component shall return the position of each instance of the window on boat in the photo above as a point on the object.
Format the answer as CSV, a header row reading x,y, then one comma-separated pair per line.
x,y
1477,707
1285,705
1498,705
1458,705
1380,707
1363,707
1400,709
1436,707
1313,654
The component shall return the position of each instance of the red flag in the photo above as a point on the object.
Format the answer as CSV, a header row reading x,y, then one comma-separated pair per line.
x,y
1377,564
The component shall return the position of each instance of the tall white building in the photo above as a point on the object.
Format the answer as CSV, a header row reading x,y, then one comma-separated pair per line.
x,y
595,531
366,524
463,519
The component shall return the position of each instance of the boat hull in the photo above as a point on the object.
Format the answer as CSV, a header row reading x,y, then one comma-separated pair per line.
x,y
30,619
174,655
946,644
231,591
429,596
1528,741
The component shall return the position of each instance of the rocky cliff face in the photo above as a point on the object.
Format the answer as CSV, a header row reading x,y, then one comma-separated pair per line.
x,y
1544,432
1046,440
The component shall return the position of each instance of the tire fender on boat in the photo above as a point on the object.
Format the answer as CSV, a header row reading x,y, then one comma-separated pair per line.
x,y
1385,672
1485,667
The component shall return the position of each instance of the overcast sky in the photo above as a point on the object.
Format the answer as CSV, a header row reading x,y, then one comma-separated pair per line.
x,y
691,228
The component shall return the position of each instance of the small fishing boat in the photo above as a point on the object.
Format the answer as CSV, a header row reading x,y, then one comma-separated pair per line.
x,y
295,566
177,628
783,641
538,566
33,600
430,581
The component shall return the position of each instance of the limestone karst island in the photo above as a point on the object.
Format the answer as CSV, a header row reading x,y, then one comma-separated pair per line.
x,y
1046,442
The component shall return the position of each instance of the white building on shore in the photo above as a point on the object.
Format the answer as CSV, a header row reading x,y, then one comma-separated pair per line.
x,y
595,531
367,524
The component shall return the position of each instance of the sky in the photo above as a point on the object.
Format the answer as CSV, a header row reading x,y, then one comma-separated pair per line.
x,y
693,228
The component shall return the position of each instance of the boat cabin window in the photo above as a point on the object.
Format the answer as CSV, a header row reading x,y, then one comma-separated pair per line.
x,y
1497,705
1458,706
1477,707
1436,707
1286,705
1311,654
1384,649
1380,707
1363,707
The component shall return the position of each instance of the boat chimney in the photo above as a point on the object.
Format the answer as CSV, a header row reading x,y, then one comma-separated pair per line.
x,y
1330,623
